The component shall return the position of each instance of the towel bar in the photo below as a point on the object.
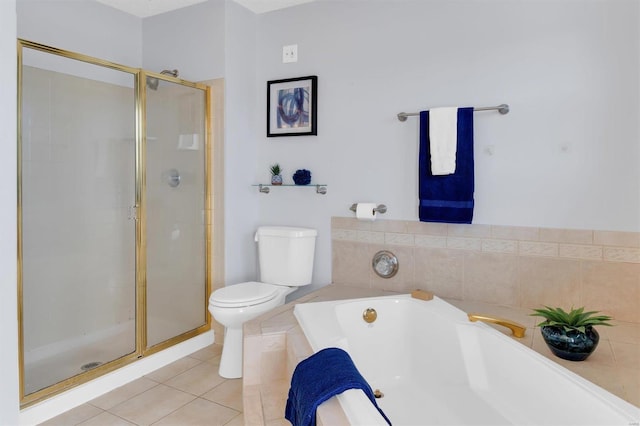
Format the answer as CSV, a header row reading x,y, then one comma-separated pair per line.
x,y
502,109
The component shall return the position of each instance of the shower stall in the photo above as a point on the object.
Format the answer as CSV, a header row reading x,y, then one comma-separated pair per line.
x,y
114,215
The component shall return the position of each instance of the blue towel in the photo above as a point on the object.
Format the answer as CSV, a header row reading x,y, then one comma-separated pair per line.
x,y
324,374
447,198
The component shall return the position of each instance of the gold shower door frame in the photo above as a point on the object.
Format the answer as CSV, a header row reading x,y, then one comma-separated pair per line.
x,y
141,348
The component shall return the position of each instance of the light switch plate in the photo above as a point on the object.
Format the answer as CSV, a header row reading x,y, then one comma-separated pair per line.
x,y
290,53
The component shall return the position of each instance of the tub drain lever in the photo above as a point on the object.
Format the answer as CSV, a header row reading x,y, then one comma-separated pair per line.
x,y
369,315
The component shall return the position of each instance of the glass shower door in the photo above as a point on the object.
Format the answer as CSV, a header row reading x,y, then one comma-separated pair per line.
x,y
176,210
77,162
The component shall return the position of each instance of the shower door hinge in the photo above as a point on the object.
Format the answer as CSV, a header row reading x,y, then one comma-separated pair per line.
x,y
133,212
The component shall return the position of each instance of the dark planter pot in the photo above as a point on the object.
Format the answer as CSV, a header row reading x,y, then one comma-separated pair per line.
x,y
573,345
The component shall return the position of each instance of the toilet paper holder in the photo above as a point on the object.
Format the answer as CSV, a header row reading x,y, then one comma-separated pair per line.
x,y
381,208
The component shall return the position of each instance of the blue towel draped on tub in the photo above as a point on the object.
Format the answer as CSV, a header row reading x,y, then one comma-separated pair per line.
x,y
324,374
447,198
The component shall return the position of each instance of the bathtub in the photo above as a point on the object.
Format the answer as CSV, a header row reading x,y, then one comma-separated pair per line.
x,y
435,367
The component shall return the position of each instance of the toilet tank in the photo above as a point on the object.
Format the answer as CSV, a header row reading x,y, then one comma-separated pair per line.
x,y
286,254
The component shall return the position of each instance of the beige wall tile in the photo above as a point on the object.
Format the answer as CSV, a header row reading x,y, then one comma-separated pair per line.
x,y
273,365
613,288
552,282
462,230
439,271
491,278
398,226
569,236
580,251
520,233
430,241
273,341
621,254
252,404
427,228
459,243
371,237
531,248
344,234
398,239
351,264
614,238
251,360
500,246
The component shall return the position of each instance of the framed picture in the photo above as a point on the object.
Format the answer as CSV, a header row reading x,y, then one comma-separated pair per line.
x,y
292,106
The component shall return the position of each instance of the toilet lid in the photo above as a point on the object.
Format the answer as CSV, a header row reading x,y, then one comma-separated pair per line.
x,y
243,294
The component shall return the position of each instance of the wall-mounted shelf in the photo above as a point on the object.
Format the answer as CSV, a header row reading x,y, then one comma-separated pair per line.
x,y
265,188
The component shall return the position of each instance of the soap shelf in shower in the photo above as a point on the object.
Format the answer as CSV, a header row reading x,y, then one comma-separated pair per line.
x,y
265,188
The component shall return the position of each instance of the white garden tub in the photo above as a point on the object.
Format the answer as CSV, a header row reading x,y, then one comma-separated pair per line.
x,y
435,367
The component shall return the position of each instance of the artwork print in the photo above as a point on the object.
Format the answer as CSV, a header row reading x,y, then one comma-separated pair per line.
x,y
291,107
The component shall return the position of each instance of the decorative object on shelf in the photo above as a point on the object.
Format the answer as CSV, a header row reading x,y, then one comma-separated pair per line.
x,y
292,106
276,177
570,335
302,177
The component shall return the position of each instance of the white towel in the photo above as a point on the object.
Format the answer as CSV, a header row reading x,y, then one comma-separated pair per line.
x,y
443,139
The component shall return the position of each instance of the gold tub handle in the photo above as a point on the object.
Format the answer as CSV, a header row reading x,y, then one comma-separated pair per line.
x,y
517,329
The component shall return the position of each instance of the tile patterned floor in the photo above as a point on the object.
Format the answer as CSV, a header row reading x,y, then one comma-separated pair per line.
x,y
188,391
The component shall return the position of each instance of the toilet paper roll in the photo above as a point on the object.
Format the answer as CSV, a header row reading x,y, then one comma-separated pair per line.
x,y
364,211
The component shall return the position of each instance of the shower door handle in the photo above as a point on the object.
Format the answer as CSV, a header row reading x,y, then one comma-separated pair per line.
x,y
133,212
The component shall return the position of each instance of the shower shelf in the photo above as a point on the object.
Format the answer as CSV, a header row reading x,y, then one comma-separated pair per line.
x,y
265,188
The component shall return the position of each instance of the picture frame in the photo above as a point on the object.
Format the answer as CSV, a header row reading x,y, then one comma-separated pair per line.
x,y
292,106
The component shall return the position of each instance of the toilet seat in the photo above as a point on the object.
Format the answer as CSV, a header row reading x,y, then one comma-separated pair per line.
x,y
243,294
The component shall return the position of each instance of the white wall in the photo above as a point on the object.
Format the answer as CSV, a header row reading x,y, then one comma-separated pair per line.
x,y
86,27
566,156
191,40
9,405
241,115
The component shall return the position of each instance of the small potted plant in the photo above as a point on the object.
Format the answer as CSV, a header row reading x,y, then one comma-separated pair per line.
x,y
570,335
276,176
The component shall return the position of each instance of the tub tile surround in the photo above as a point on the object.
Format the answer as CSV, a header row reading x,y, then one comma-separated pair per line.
x,y
523,267
498,270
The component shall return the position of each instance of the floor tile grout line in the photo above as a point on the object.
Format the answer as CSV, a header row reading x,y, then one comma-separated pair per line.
x,y
178,408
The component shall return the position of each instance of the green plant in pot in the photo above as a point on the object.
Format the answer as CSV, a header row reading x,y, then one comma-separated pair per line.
x,y
570,335
276,174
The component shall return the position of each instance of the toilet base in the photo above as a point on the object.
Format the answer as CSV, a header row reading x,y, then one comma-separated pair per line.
x,y
231,359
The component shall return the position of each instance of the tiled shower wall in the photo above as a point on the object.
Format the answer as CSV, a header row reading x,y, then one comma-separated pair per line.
x,y
513,266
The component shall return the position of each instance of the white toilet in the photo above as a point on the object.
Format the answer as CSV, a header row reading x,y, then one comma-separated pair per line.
x,y
286,263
